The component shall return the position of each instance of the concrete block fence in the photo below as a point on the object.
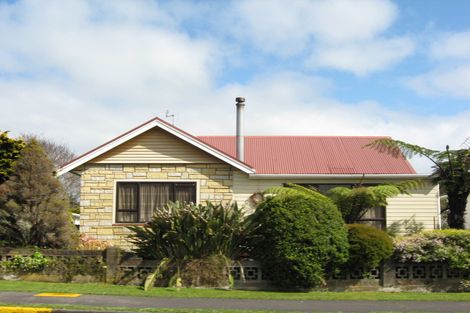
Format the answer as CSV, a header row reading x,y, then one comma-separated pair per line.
x,y
122,267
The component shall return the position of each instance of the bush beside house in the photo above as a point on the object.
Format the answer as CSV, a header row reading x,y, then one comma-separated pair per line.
x,y
298,239
193,241
368,246
450,246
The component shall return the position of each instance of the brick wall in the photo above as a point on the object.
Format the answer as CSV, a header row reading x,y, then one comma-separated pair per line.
x,y
98,182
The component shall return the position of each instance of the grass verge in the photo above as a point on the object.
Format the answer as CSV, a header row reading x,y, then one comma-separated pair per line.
x,y
106,289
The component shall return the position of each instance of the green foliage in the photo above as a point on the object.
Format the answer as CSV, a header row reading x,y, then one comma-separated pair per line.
x,y
451,171
27,264
207,272
10,150
33,208
448,245
298,238
182,232
368,246
188,231
354,202
293,190
72,266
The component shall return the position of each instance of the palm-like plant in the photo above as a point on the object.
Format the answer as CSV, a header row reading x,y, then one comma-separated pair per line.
x,y
182,232
451,171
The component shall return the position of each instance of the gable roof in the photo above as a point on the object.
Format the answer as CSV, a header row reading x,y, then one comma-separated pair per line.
x,y
341,155
155,122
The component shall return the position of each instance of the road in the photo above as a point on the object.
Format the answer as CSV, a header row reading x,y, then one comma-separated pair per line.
x,y
240,304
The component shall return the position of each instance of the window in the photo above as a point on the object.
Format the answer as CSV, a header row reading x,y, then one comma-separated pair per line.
x,y
374,216
136,201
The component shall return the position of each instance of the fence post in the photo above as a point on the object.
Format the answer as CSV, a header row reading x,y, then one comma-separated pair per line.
x,y
388,274
113,258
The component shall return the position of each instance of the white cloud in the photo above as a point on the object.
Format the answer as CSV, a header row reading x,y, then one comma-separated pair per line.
x,y
453,82
451,75
286,26
124,52
452,46
363,58
340,34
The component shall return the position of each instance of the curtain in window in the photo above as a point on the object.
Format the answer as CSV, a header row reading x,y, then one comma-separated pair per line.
x,y
153,196
185,193
126,203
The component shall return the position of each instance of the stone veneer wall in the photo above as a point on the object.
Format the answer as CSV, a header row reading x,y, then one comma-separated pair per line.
x,y
97,191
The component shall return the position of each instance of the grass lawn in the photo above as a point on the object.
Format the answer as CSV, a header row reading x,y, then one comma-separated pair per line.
x,y
105,289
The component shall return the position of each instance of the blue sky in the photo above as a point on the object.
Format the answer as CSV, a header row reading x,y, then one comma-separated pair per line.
x,y
81,72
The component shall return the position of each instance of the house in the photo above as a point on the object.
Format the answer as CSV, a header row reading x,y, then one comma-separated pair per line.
x,y
126,178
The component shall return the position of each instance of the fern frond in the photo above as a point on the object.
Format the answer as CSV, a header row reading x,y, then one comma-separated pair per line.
x,y
293,190
466,144
399,148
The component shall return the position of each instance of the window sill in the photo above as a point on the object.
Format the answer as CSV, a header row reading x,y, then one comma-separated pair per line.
x,y
129,224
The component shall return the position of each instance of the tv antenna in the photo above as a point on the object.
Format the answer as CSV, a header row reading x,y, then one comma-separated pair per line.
x,y
167,115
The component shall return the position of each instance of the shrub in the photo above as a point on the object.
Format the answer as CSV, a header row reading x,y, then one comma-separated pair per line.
x,y
27,264
207,272
182,232
368,246
448,245
72,266
298,238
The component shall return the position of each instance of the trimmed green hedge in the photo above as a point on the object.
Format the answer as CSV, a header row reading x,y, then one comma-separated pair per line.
x,y
298,238
368,246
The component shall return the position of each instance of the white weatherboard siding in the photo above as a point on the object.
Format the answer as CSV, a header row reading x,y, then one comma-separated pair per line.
x,y
423,203
155,146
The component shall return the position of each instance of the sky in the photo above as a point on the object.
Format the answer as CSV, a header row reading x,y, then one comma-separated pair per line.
x,y
82,72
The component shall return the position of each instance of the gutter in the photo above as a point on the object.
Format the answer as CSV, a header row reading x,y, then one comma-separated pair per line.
x,y
344,176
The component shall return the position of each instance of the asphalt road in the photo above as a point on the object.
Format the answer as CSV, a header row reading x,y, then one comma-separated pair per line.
x,y
240,304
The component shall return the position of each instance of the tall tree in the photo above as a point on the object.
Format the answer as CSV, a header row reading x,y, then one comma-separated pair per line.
x,y
34,210
60,154
451,169
9,152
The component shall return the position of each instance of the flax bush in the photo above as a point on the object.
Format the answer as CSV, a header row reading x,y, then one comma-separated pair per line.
x,y
451,246
181,233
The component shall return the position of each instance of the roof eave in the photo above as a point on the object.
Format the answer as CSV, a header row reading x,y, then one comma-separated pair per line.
x,y
345,176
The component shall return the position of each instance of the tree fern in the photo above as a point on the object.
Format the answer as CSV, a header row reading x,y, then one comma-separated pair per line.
x,y
290,189
451,171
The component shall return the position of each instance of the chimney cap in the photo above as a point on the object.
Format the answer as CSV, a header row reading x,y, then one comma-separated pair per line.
x,y
240,99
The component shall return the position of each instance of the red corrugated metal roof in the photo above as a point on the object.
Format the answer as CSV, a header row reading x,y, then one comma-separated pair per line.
x,y
312,155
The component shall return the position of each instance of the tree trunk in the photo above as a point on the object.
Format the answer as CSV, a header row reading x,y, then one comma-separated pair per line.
x,y
457,203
